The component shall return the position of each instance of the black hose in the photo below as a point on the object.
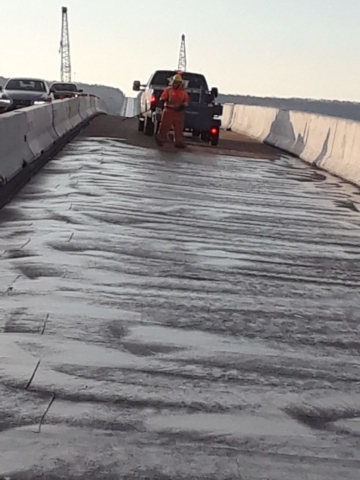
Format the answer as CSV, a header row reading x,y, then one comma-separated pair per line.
x,y
130,118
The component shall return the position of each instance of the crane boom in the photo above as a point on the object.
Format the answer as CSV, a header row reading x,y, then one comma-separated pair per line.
x,y
65,47
182,56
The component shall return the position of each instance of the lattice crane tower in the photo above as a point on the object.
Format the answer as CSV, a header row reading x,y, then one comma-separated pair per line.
x,y
65,47
182,56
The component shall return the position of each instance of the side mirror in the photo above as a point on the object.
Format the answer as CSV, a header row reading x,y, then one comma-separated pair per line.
x,y
1,88
81,91
136,86
215,92
52,90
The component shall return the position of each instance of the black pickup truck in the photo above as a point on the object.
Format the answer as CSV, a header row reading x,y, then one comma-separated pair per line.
x,y
62,90
200,116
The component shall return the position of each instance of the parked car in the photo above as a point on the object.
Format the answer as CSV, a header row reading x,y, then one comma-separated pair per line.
x,y
61,90
24,92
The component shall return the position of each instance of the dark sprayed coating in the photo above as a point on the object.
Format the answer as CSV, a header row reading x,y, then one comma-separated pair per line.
x,y
196,316
125,129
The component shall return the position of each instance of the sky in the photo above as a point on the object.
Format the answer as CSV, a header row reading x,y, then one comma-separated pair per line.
x,y
280,48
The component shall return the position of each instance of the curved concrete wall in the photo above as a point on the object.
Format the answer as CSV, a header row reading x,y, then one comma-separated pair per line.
x,y
330,143
26,134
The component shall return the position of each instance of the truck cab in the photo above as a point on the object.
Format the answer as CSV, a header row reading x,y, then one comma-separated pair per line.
x,y
199,116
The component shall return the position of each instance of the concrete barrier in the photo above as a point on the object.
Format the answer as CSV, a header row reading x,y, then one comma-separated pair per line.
x,y
61,115
93,103
74,106
330,143
14,151
227,116
99,106
41,133
342,148
85,108
27,134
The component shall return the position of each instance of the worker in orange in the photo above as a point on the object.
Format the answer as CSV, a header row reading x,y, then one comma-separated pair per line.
x,y
176,100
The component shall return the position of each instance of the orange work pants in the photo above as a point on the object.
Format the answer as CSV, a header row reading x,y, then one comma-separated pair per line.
x,y
171,118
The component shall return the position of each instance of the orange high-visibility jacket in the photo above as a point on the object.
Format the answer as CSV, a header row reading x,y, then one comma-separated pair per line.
x,y
174,97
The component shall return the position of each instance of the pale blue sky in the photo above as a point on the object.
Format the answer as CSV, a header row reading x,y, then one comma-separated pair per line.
x,y
304,48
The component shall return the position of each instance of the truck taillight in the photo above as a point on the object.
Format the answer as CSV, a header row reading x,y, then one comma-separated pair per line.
x,y
214,131
153,100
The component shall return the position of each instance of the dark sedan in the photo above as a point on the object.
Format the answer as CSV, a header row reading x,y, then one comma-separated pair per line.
x,y
25,92
61,90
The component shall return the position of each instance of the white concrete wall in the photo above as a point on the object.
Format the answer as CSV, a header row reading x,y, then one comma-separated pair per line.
x,y
26,134
330,143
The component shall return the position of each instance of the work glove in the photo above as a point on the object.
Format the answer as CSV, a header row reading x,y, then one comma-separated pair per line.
x,y
180,108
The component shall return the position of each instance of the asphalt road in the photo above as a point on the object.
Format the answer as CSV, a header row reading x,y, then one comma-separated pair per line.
x,y
179,315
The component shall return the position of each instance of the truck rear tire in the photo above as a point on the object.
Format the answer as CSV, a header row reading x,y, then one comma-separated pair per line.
x,y
148,127
214,140
141,125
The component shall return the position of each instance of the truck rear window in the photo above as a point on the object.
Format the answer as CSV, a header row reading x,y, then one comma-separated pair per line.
x,y
191,80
